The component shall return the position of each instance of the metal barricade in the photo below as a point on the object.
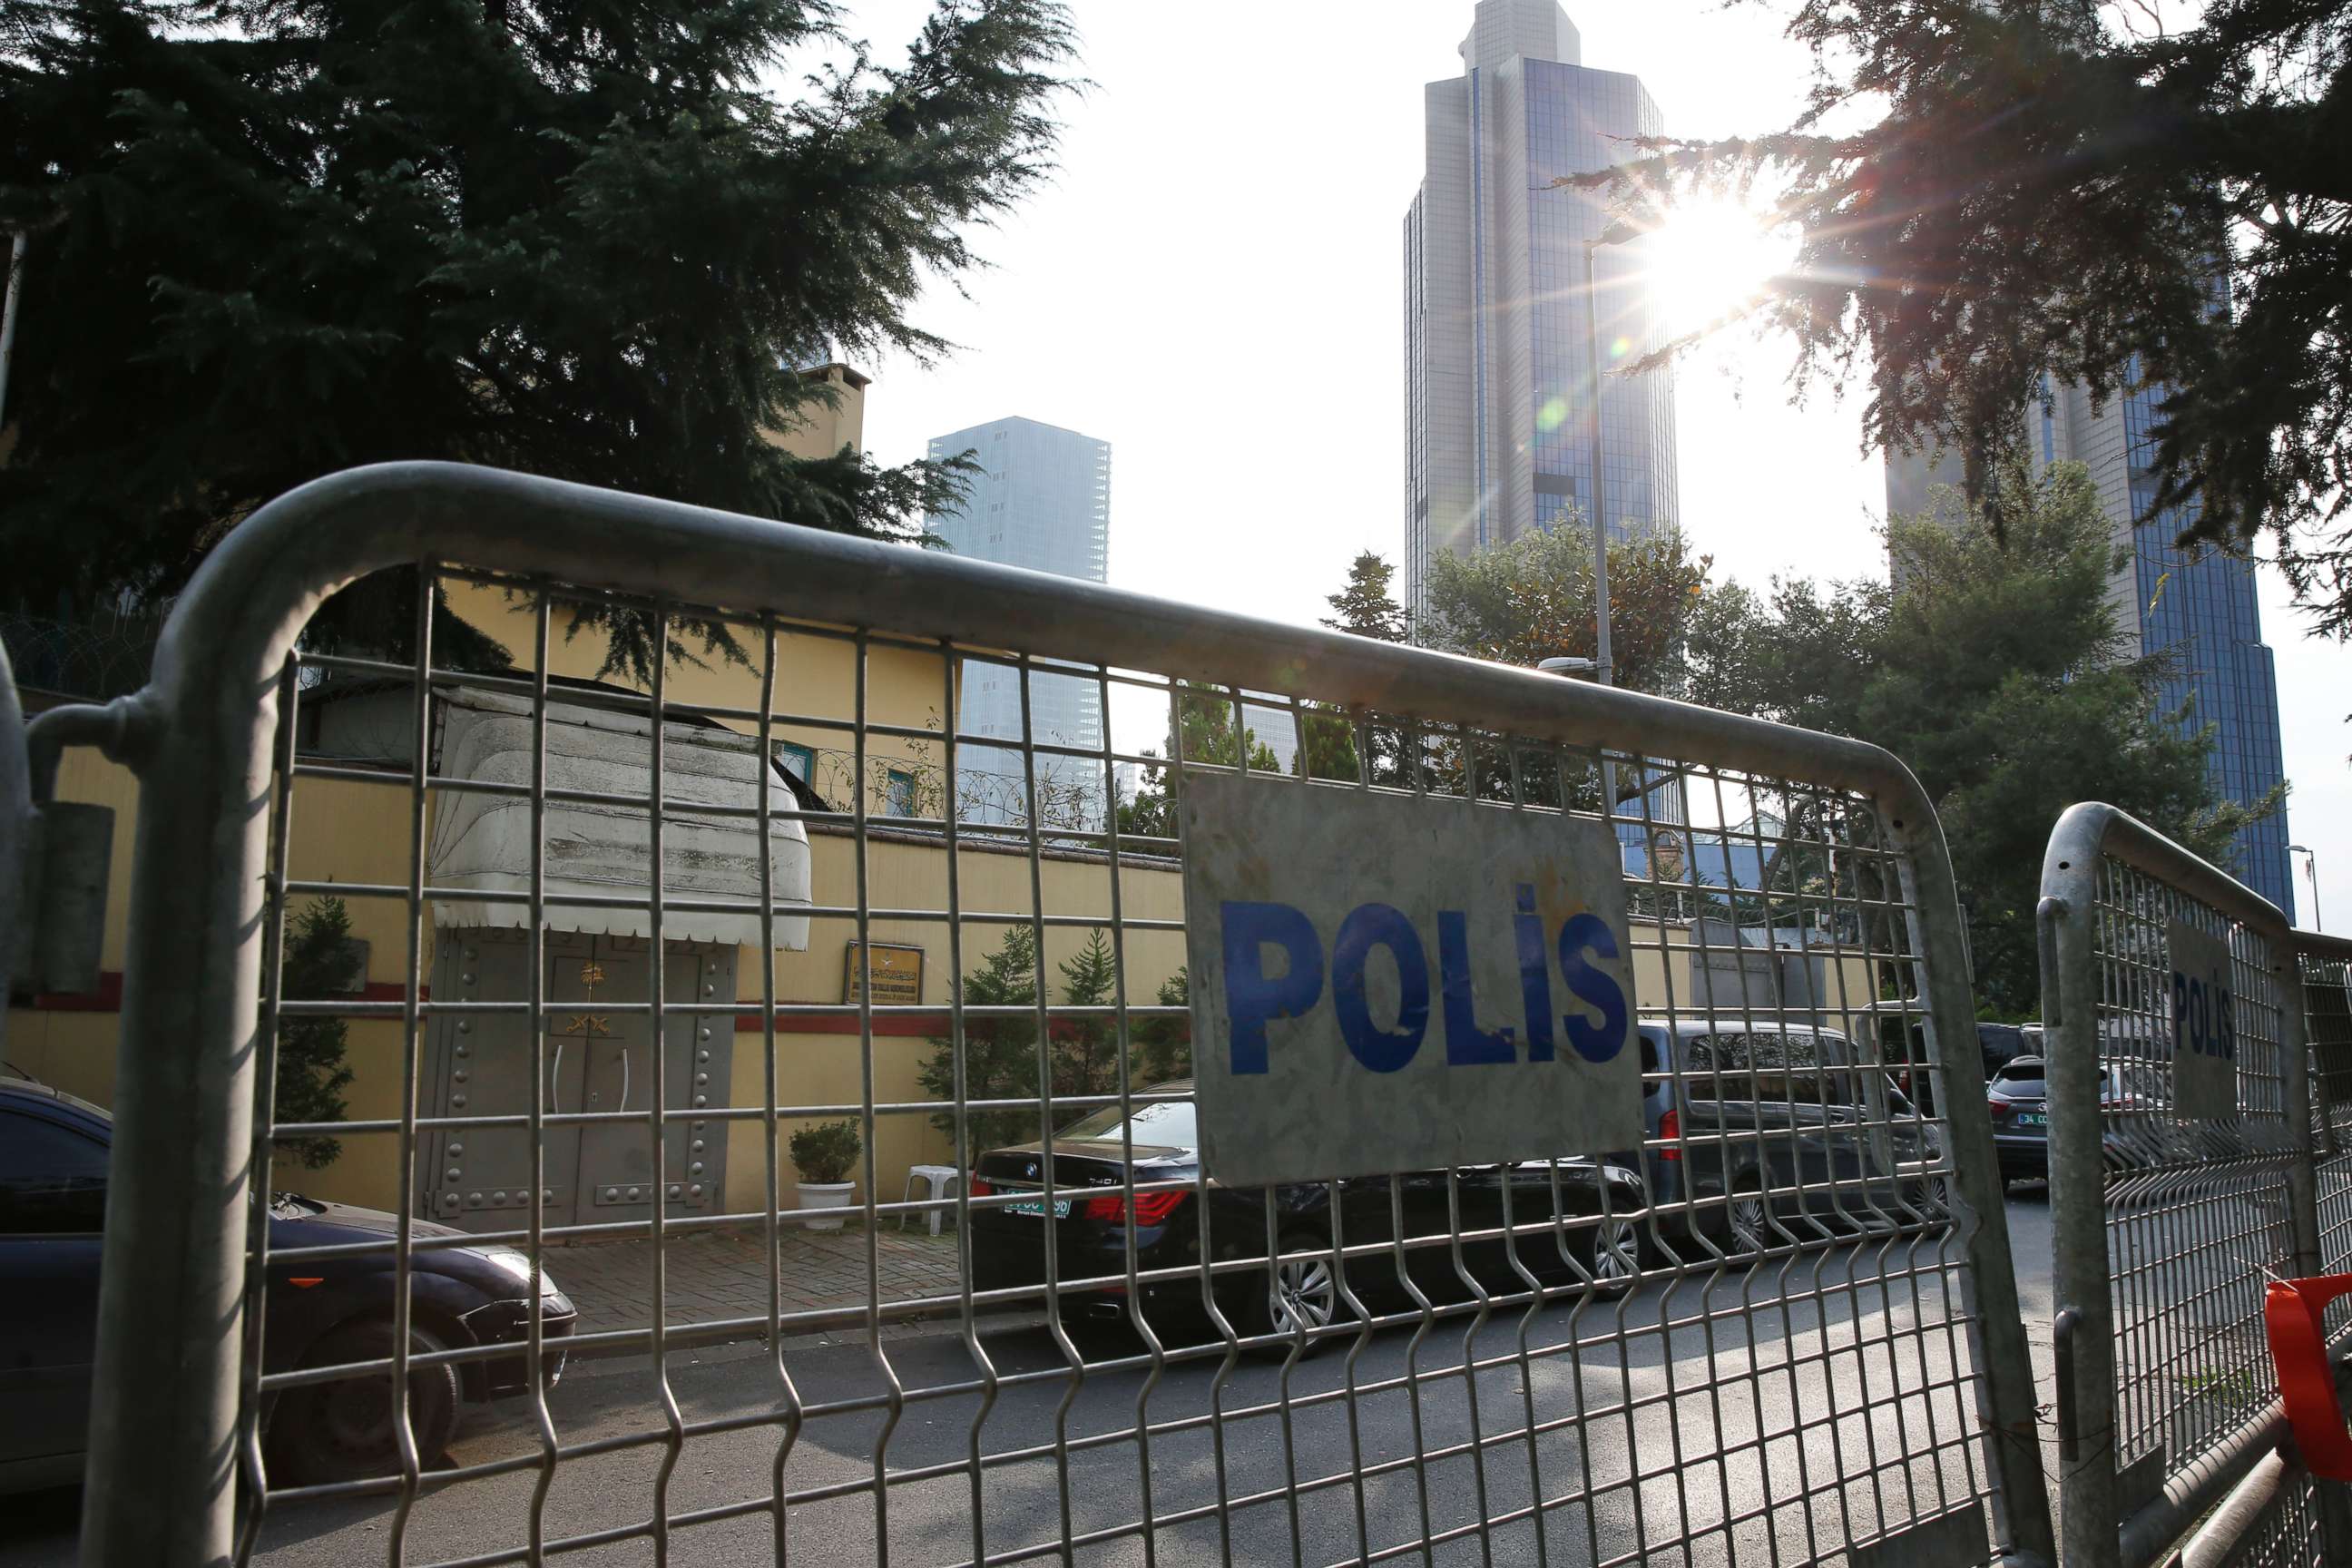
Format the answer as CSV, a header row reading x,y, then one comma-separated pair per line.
x,y
2182,1173
2327,972
15,829
1785,1328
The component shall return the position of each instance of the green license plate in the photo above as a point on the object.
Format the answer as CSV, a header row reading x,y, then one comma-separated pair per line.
x,y
2032,1119
1038,1207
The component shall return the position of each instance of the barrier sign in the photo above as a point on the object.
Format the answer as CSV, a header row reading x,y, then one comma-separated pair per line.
x,y
2202,1007
1386,982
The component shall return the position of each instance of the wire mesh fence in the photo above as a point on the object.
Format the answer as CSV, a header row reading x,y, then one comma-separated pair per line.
x,y
730,1167
2183,1145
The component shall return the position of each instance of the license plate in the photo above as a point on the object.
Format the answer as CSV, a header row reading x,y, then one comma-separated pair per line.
x,y
1038,1207
2032,1119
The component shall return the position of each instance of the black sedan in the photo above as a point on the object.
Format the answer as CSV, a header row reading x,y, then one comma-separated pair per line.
x,y
1089,1226
322,1312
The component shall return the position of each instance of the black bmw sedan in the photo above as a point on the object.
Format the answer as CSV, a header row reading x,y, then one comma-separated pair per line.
x,y
1087,1226
320,1312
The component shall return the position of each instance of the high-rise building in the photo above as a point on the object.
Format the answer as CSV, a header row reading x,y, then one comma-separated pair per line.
x,y
1507,294
2201,611
1041,500
1497,319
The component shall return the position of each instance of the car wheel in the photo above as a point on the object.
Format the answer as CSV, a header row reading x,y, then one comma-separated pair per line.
x,y
1303,1294
1934,1199
1616,1257
342,1431
1747,1220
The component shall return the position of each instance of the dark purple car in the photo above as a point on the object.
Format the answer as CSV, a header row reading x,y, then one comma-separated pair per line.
x,y
322,1312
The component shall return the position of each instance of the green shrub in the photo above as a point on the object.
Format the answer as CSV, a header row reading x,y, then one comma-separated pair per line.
x,y
826,1151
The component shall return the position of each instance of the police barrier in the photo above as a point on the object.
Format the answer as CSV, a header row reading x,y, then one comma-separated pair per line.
x,y
2183,1149
1238,992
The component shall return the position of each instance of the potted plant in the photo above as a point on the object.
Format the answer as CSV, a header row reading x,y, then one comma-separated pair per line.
x,y
823,1154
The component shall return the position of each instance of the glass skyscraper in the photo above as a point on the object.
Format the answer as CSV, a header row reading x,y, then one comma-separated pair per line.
x,y
2201,611
1499,376
1498,323
1042,500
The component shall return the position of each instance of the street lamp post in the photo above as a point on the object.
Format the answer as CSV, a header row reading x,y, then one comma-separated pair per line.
x,y
1604,666
2311,870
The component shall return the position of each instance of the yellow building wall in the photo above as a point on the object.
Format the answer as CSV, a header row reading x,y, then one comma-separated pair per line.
x,y
350,831
819,431
359,832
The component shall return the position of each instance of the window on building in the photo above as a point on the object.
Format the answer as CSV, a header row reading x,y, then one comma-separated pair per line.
x,y
797,760
898,794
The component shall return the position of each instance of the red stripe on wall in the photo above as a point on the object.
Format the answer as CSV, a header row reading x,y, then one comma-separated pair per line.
x,y
107,997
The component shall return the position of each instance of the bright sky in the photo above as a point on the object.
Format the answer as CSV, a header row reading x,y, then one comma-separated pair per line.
x,y
1213,284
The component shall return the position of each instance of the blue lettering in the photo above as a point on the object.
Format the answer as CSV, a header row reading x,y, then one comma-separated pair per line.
x,y
2197,1015
1593,987
1254,998
2180,1006
1466,1045
1535,975
1367,927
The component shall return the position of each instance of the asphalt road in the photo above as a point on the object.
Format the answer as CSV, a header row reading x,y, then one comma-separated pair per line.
x,y
1792,1451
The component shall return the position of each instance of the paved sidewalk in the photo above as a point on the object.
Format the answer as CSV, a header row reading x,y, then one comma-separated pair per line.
x,y
719,1276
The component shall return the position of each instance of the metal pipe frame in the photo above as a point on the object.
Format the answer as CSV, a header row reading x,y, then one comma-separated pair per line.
x,y
164,1423
15,827
2085,839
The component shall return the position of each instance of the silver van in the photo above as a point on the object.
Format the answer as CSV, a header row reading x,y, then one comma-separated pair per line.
x,y
1760,1135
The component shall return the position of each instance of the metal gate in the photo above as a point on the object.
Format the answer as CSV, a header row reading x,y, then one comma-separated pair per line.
x,y
1783,1328
599,1062
2183,1153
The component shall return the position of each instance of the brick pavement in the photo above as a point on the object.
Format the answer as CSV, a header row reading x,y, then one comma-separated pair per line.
x,y
715,1277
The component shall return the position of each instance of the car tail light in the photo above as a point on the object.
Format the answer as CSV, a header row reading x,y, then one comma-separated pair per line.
x,y
979,1187
1670,1128
1999,1108
1151,1208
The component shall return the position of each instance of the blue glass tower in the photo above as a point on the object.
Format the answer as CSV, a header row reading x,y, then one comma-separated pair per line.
x,y
2201,613
1500,393
1501,398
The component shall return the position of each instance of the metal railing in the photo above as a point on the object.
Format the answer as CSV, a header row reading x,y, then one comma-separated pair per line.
x,y
2182,1162
1784,1328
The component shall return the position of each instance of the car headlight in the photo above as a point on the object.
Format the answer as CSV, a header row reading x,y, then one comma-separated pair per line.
x,y
507,1260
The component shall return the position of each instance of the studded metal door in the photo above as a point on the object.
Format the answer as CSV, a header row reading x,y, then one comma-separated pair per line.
x,y
616,1177
478,1065
600,1063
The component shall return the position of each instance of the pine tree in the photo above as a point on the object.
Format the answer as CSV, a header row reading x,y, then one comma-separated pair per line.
x,y
275,239
311,1073
1365,605
1085,1050
1000,1054
1163,1047
1997,670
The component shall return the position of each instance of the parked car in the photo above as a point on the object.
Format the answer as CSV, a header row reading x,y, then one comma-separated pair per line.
x,y
1746,1124
320,1312
1090,1232
1902,1045
2004,1043
2017,1099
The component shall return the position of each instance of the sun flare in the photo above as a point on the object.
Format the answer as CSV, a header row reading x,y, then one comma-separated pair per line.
x,y
1709,258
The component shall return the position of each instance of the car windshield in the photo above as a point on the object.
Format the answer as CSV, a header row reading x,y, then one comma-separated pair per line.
x,y
1167,1125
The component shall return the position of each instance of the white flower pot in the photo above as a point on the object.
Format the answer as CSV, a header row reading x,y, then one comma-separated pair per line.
x,y
826,1195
